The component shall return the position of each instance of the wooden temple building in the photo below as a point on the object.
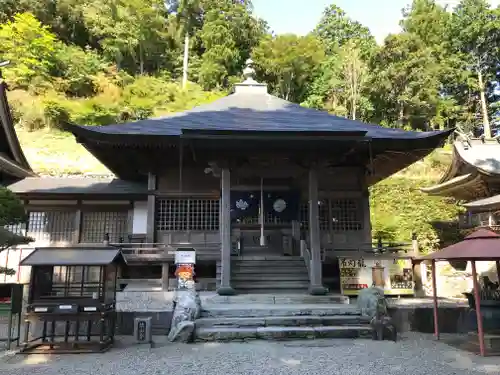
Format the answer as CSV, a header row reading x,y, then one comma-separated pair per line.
x,y
473,177
244,180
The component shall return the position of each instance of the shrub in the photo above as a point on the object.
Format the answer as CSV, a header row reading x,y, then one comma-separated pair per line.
x,y
56,112
399,208
27,109
77,69
99,110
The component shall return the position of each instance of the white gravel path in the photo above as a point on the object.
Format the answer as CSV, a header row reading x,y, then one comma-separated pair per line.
x,y
415,354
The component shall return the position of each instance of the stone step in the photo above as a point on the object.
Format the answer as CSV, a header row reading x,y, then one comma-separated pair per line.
x,y
268,263
267,257
283,321
271,290
159,330
281,333
268,270
238,277
264,284
258,310
274,299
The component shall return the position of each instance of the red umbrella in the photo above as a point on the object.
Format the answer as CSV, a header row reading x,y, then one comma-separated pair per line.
x,y
482,245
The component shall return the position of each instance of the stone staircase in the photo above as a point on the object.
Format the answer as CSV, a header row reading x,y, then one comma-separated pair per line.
x,y
269,274
279,317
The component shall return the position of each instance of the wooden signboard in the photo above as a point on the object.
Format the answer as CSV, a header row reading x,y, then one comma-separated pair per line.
x,y
395,276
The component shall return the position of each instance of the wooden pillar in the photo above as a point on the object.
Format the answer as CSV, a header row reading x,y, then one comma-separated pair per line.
x,y
435,300
165,275
150,225
315,275
477,303
225,234
367,223
417,268
77,233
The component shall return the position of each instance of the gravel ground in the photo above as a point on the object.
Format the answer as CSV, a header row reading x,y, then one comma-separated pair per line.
x,y
415,354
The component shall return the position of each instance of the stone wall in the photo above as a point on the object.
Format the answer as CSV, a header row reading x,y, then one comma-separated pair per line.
x,y
155,304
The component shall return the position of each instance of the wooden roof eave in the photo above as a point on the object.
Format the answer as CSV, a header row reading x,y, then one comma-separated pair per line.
x,y
15,169
484,205
385,164
34,196
85,134
452,170
8,128
458,187
455,168
389,161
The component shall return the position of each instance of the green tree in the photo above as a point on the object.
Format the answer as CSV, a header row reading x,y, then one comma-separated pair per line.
x,y
129,31
30,47
288,63
339,85
336,29
354,72
188,16
77,70
405,82
228,35
430,23
11,213
476,40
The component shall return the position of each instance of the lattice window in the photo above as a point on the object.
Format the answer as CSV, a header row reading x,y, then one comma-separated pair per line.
x,y
346,215
52,226
187,214
323,212
96,224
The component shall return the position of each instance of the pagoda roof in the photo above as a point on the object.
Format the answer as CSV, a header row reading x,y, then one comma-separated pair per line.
x,y
478,155
475,162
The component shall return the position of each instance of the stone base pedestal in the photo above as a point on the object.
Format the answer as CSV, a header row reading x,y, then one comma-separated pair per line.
x,y
318,290
226,291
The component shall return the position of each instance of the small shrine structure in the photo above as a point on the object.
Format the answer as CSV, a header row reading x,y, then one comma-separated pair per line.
x,y
482,245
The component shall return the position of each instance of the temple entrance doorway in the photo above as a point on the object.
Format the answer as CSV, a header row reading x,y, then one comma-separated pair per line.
x,y
249,237
262,221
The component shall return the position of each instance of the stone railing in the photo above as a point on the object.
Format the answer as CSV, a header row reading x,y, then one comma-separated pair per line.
x,y
306,255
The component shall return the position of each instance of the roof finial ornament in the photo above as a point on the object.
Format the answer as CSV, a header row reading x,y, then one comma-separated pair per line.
x,y
249,72
250,85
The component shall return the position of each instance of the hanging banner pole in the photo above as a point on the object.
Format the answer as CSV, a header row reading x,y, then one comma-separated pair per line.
x,y
261,212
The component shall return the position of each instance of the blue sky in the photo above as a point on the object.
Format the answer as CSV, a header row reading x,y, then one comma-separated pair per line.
x,y
300,17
